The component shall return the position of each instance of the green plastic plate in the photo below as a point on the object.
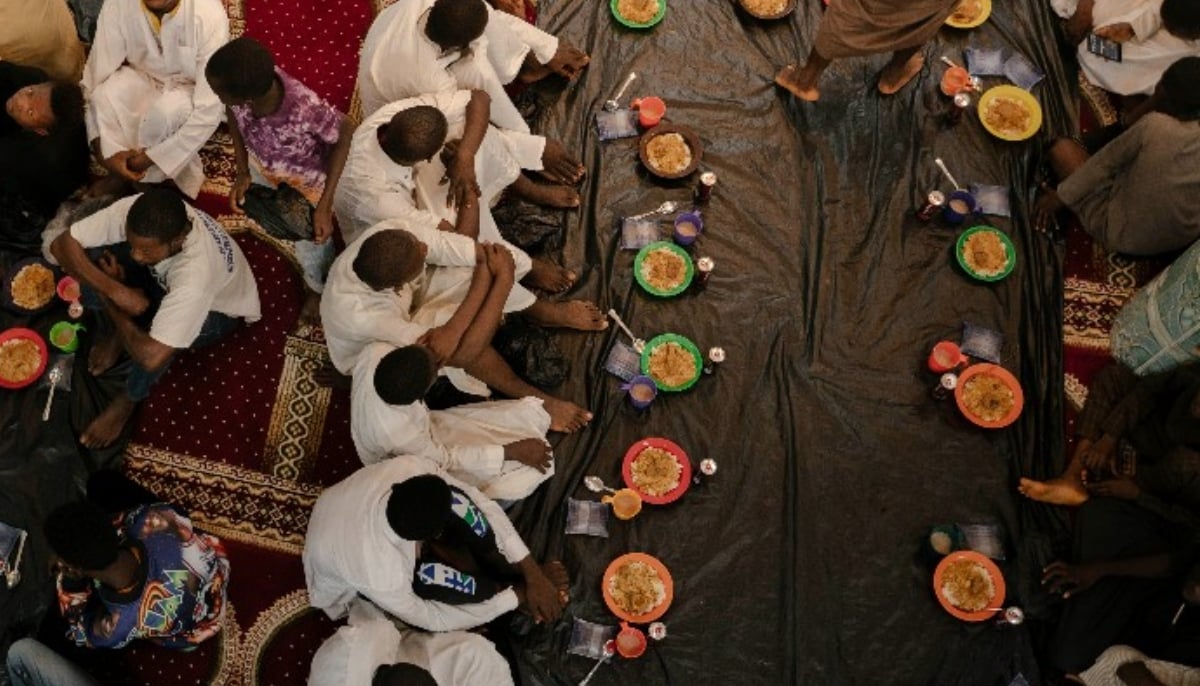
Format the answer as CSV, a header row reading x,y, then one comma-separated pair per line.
x,y
1008,247
689,273
687,345
662,12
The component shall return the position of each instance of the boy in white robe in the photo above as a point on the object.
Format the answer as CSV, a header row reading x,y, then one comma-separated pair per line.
x,y
372,647
429,550
150,107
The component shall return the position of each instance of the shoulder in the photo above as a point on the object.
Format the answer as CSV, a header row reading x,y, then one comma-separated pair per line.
x,y
210,10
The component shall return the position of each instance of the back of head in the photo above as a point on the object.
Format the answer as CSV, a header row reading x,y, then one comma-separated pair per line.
x,y
418,508
402,674
388,259
414,134
82,535
404,375
66,101
241,70
1180,89
1181,18
159,214
455,23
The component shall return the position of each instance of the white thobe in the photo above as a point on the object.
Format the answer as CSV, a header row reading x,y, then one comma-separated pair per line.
x,y
1104,671
146,89
399,61
350,549
1143,59
371,640
466,441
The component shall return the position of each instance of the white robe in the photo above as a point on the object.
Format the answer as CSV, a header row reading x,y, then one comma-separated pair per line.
x,y
466,441
1104,671
1143,59
147,89
350,549
399,61
371,640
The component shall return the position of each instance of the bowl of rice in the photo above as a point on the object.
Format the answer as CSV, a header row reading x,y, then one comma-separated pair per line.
x,y
23,357
672,361
658,469
1010,113
968,14
768,9
638,14
969,586
637,588
663,269
989,396
985,253
670,151
30,287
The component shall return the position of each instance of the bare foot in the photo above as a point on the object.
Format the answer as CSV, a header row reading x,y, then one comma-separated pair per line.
x,y
896,76
580,315
106,428
310,311
565,416
1060,491
556,572
791,78
549,277
329,377
569,61
558,165
105,352
555,195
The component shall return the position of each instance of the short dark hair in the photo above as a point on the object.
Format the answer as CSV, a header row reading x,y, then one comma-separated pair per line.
x,y
402,674
382,258
1181,18
418,507
455,23
159,214
404,375
66,102
1179,84
83,535
243,68
414,134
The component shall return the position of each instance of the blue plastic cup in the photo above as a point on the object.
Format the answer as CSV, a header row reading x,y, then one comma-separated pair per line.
x,y
642,391
960,205
688,226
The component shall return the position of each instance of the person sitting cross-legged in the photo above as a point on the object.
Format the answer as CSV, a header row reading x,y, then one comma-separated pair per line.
x,y
499,446
170,278
429,550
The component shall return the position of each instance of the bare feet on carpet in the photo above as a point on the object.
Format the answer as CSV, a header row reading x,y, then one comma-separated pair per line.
x,y
329,377
897,75
106,427
549,277
104,353
1060,491
558,165
556,572
565,416
798,83
580,315
549,195
310,311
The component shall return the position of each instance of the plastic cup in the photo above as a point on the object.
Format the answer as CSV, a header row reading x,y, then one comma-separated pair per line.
x,y
626,503
959,206
631,642
642,391
65,336
651,110
68,289
946,356
954,80
688,226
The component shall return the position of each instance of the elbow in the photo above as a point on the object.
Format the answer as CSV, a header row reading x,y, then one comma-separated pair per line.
x,y
481,98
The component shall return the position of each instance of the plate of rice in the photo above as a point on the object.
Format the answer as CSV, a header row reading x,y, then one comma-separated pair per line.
x,y
1010,113
670,151
638,14
30,287
768,9
23,357
968,14
969,586
985,253
989,396
658,469
672,361
663,269
637,588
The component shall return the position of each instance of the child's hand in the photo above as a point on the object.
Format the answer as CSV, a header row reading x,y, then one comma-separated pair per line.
x,y
237,194
322,224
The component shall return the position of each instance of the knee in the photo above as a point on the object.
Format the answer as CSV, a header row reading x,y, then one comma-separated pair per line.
x,y
22,657
169,112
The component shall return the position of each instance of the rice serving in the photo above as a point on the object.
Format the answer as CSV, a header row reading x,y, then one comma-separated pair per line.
x,y
987,397
664,269
668,153
19,360
985,253
967,585
672,365
1008,116
765,8
638,11
655,471
636,588
32,287
966,11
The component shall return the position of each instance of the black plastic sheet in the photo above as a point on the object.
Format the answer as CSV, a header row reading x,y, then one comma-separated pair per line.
x,y
795,564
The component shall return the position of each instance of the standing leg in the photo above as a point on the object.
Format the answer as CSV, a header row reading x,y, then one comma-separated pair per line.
x,y
802,82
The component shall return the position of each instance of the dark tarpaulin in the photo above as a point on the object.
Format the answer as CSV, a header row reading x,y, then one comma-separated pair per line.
x,y
796,564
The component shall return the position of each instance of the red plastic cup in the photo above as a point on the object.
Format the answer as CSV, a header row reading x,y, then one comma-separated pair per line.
x,y
631,642
946,356
68,289
651,110
955,79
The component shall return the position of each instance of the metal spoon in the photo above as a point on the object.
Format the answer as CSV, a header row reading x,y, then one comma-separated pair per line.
x,y
949,62
607,656
596,485
614,103
12,578
638,344
55,377
942,165
665,208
